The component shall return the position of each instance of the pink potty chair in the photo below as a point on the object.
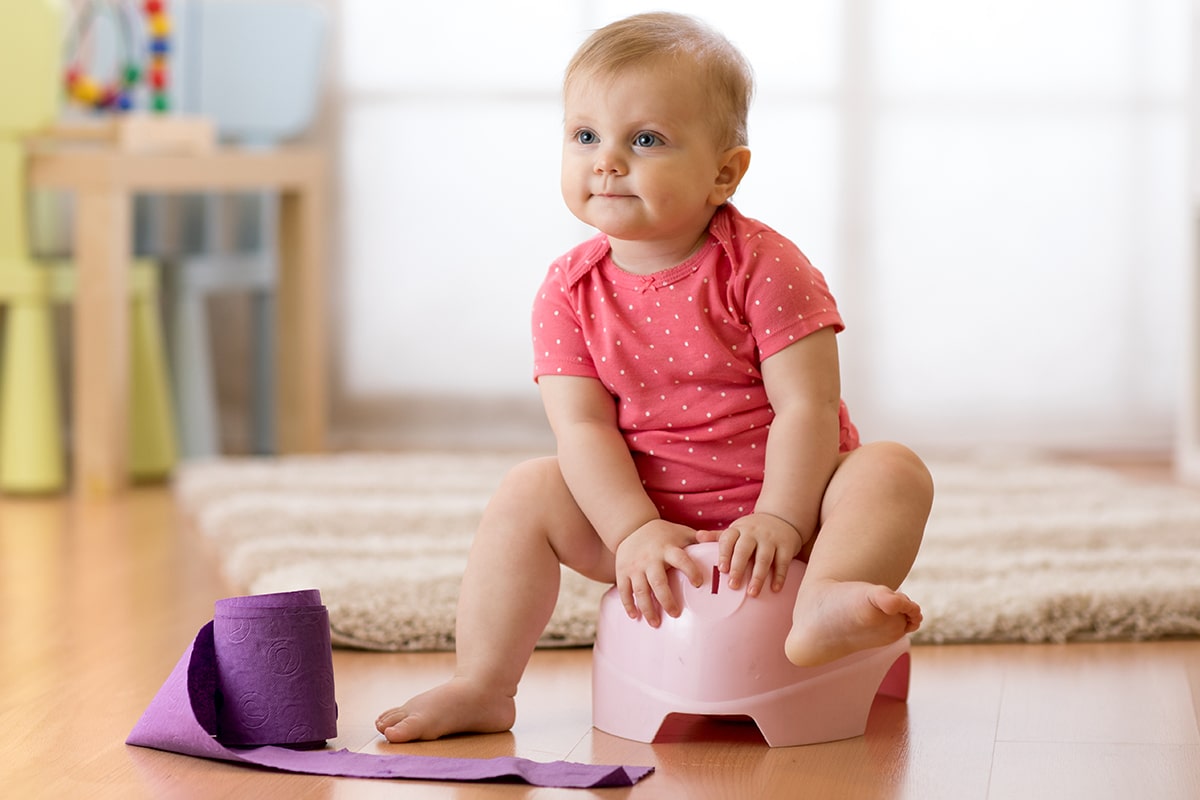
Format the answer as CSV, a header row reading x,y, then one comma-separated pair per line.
x,y
723,657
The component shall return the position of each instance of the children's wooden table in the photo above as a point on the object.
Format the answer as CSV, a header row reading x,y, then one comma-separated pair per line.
x,y
104,176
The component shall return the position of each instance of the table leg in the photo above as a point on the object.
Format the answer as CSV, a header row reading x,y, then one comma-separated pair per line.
x,y
101,342
302,330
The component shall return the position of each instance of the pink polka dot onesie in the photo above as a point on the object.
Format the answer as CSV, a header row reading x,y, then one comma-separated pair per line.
x,y
681,351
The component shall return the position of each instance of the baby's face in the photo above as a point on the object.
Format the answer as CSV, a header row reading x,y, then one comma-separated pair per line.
x,y
640,155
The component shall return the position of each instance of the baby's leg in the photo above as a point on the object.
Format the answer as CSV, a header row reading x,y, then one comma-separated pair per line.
x,y
872,520
509,589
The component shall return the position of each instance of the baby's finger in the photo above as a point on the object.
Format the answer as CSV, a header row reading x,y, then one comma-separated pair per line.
x,y
781,571
662,597
743,552
727,543
642,596
625,591
763,570
680,560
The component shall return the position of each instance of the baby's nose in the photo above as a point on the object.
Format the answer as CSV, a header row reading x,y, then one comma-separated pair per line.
x,y
609,161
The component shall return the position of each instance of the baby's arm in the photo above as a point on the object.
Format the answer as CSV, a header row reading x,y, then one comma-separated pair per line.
x,y
804,387
599,470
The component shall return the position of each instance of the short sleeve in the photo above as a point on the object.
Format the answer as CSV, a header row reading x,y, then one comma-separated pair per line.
x,y
559,344
786,297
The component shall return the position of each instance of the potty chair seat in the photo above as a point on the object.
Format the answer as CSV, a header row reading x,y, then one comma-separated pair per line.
x,y
723,657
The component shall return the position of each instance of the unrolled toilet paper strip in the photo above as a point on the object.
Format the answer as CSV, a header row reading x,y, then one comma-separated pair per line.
x,y
256,687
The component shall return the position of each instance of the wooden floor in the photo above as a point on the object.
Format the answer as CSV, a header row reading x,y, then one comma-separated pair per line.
x,y
98,602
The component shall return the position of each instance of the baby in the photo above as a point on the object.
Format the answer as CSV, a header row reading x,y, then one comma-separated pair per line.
x,y
687,361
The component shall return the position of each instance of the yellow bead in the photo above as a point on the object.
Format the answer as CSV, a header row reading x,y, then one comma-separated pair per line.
x,y
160,25
86,90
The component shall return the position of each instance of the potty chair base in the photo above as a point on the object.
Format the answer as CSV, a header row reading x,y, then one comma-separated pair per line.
x,y
723,657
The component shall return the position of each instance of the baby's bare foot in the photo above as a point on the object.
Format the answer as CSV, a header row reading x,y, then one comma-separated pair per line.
x,y
833,619
457,706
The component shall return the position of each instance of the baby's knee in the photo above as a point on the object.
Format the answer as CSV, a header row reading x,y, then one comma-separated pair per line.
x,y
535,478
532,491
903,469
910,468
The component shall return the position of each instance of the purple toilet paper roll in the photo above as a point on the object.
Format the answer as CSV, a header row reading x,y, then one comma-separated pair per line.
x,y
275,674
260,675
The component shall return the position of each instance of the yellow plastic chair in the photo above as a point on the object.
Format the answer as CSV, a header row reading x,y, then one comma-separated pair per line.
x,y
31,440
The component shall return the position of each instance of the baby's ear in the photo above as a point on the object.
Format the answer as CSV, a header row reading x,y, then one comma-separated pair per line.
x,y
734,163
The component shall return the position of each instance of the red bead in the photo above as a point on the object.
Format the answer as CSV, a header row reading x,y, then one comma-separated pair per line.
x,y
154,6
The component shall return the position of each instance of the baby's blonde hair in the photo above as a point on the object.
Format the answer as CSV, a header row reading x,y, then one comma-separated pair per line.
x,y
642,37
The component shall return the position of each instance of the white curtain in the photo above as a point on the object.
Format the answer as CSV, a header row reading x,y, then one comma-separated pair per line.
x,y
998,193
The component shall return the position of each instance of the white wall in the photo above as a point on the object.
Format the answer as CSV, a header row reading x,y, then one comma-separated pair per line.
x,y
996,191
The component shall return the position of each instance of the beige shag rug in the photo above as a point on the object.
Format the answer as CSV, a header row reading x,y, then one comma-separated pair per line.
x,y
1017,549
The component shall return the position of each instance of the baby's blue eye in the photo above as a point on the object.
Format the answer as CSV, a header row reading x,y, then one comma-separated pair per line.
x,y
645,139
586,137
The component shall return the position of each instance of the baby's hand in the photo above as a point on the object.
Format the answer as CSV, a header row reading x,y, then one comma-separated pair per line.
x,y
642,561
767,540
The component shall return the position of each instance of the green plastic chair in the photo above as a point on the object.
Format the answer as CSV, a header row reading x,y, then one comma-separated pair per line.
x,y
32,452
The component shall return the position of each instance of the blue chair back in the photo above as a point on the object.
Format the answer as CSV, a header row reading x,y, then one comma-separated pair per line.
x,y
252,66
